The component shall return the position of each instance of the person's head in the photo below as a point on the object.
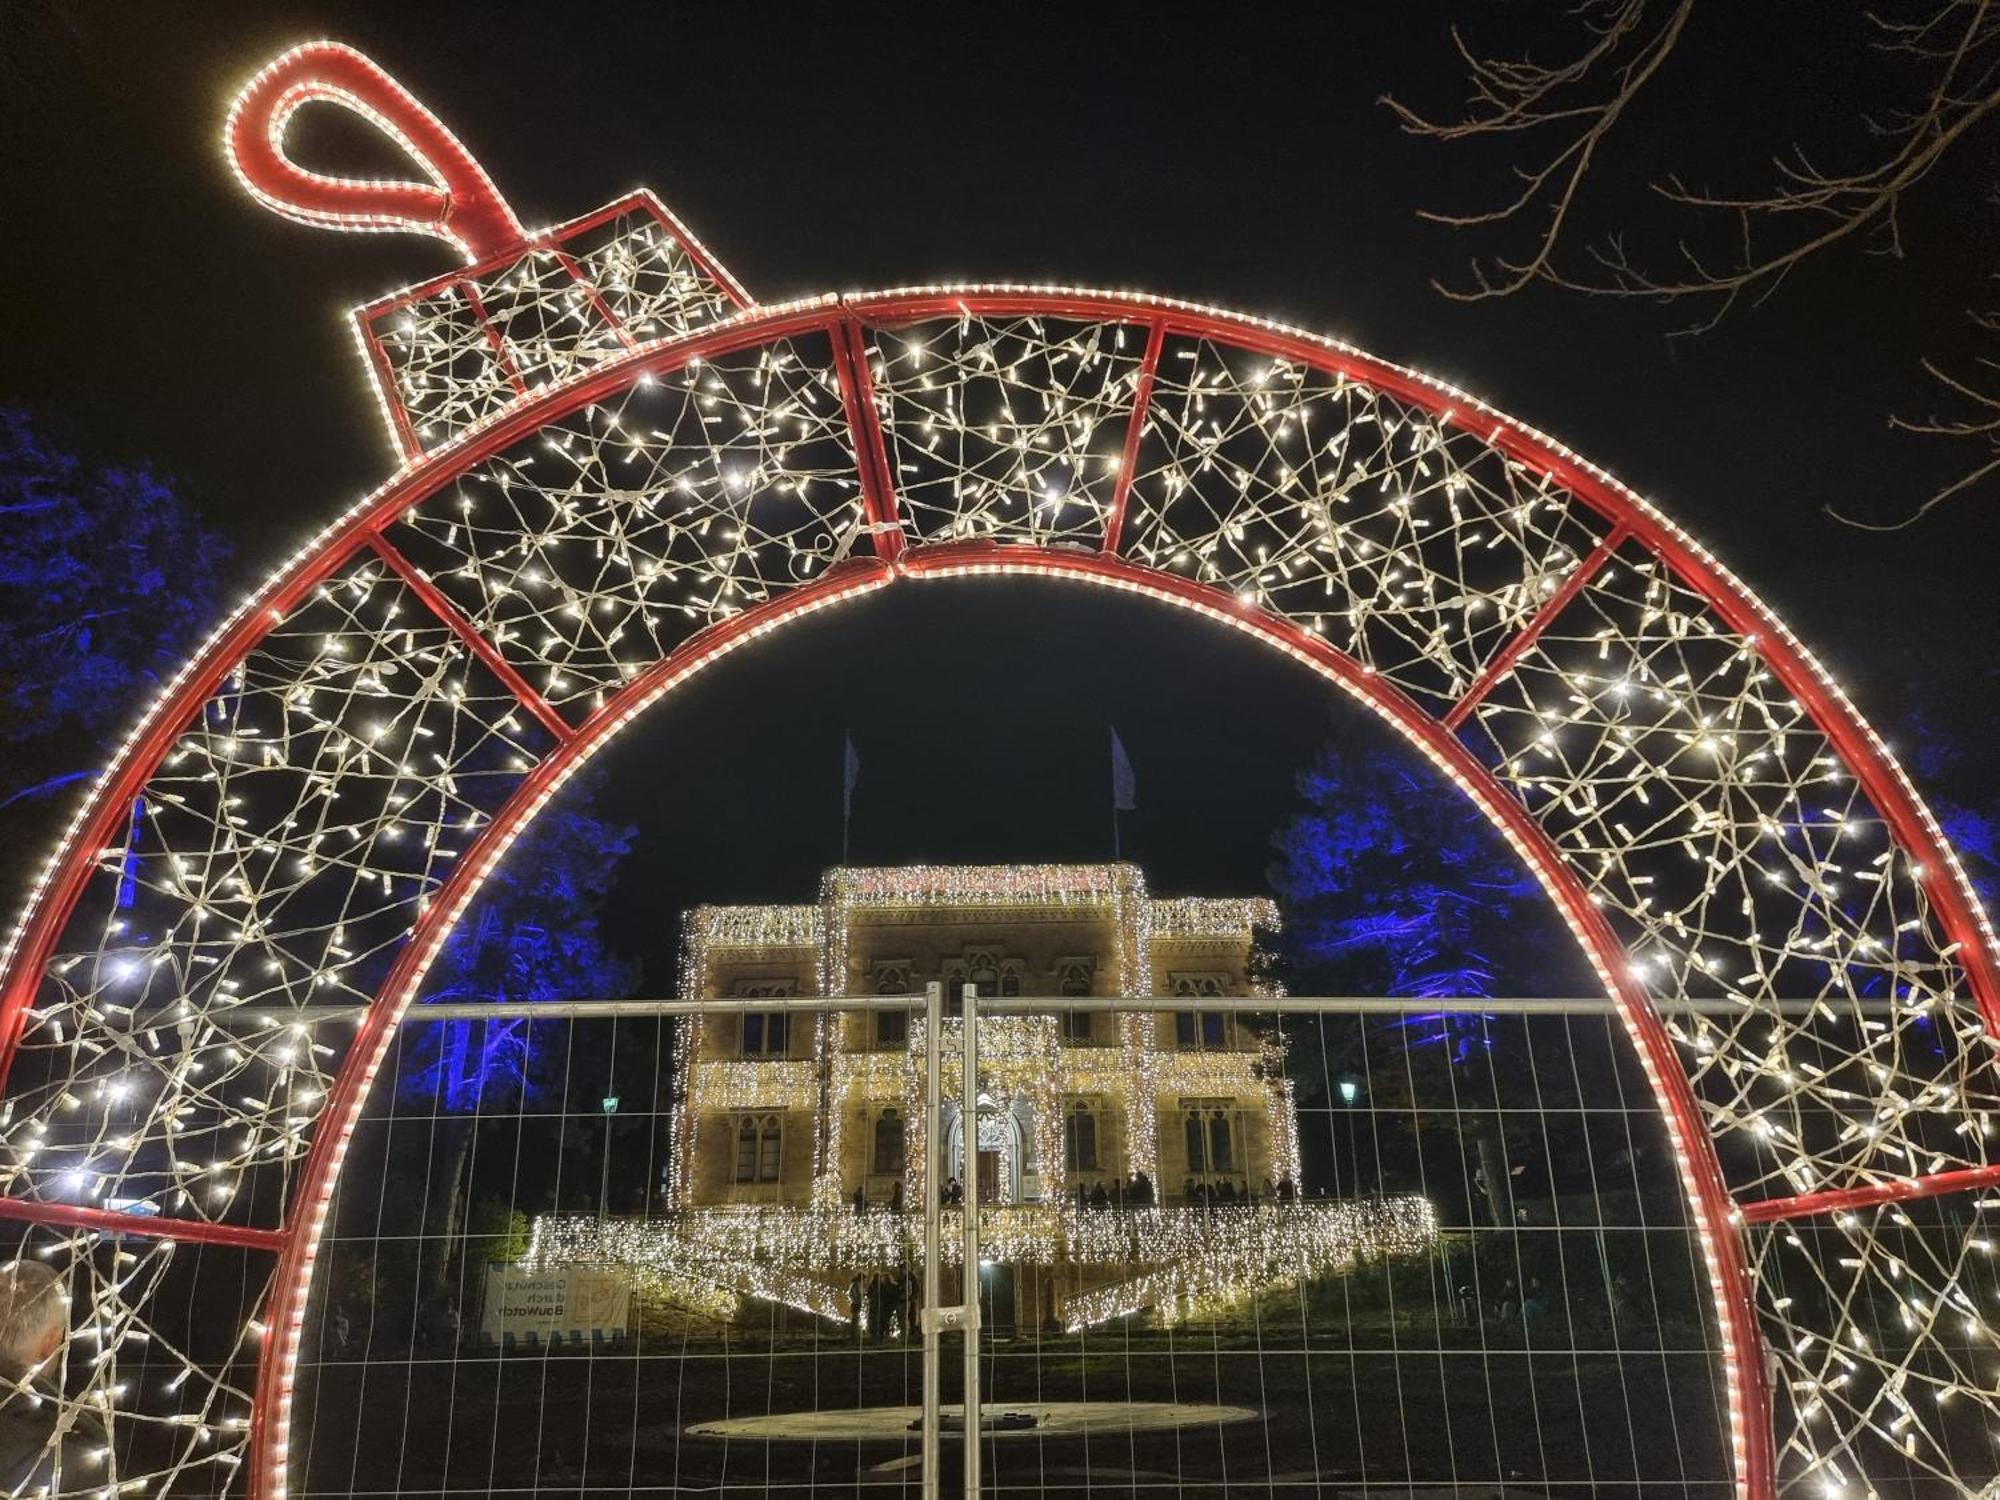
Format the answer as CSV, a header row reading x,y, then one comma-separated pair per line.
x,y
34,1313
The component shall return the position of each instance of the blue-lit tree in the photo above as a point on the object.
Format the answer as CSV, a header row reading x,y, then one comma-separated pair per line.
x,y
1959,788
531,935
107,577
1391,884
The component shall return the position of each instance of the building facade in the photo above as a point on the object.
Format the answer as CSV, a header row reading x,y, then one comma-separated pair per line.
x,y
1142,1157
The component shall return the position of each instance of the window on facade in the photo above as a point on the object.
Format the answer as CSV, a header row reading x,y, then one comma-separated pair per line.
x,y
1221,1149
1073,979
1211,1146
766,1033
888,1143
892,1027
759,1148
1080,1139
984,976
1010,981
1200,1028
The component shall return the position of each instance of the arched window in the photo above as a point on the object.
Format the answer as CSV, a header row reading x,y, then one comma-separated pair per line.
x,y
1073,979
1080,1138
759,1148
1197,1143
1221,1149
1211,1143
1010,980
888,1143
892,1027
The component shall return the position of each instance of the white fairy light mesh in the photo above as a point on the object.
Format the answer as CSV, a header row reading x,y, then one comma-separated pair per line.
x,y
285,847
1006,427
696,494
1407,542
278,858
1888,1355
1707,813
463,352
156,1401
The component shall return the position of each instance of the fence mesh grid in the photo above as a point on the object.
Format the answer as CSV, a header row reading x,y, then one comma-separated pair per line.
x,y
1543,1330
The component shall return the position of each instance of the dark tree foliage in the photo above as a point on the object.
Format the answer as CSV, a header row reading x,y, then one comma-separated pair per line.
x,y
1959,788
531,935
1391,884
107,579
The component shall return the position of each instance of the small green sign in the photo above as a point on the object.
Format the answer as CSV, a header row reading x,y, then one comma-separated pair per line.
x,y
611,1104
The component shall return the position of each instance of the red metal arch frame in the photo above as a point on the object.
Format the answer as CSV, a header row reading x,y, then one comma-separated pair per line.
x,y
900,554
296,1244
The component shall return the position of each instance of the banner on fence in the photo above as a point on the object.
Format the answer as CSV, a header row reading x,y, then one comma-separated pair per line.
x,y
551,1304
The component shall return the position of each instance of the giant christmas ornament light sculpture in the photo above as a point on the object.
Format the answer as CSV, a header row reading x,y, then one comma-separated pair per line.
x,y
615,468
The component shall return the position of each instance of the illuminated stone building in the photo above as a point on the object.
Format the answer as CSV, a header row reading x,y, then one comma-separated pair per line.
x,y
1125,1160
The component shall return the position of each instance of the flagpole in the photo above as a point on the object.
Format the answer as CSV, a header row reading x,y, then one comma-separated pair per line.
x,y
1124,796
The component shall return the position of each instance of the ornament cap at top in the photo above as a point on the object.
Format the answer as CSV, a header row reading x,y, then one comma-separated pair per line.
x,y
528,309
458,203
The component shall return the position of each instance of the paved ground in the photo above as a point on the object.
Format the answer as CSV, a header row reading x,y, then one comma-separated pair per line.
x,y
1305,1423
1053,1419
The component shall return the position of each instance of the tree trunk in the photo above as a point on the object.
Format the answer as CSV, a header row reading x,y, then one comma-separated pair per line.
x,y
443,1233
1495,1181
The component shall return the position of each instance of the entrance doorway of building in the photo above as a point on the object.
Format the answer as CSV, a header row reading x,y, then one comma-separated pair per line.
x,y
996,1297
997,1158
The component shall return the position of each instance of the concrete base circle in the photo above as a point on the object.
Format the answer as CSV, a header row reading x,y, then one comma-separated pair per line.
x,y
1053,1419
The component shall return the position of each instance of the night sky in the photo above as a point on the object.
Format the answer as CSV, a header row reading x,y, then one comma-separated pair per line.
x,y
155,313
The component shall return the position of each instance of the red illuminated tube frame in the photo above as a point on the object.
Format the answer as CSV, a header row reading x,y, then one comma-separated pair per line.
x,y
459,204
296,1243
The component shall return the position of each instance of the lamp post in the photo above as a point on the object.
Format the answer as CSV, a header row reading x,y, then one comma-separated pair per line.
x,y
968,1114
604,1184
933,1191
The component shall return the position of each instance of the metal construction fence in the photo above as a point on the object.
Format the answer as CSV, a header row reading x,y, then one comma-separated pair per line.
x,y
1360,1246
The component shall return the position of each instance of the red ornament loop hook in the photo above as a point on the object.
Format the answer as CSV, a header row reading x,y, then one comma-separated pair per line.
x,y
459,205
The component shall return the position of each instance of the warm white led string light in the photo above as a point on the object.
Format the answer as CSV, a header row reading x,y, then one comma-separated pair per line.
x,y
1182,1262
349,742
1022,1057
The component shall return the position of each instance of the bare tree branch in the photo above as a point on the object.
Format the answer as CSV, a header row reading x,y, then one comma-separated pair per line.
x,y
1751,240
1514,97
